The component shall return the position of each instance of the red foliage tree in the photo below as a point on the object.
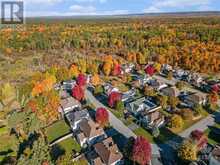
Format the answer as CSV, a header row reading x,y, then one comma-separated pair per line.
x,y
116,70
150,70
102,116
78,93
216,88
81,80
141,152
200,138
114,97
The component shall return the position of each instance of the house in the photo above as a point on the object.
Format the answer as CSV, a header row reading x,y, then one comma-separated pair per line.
x,y
68,104
108,89
108,153
179,73
127,68
170,91
63,94
195,99
57,86
166,68
75,117
140,105
68,85
196,79
128,95
142,79
90,133
214,158
158,85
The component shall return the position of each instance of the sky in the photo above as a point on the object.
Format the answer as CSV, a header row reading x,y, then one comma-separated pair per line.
x,y
114,7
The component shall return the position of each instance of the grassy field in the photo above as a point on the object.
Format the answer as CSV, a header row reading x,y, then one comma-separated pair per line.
x,y
69,145
142,132
212,139
57,130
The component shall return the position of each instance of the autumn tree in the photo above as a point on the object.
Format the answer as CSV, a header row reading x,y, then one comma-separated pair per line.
x,y
162,100
102,116
114,97
78,93
180,85
187,114
74,71
141,152
96,80
187,151
199,138
81,80
149,70
176,122
119,106
116,70
173,102
63,74
140,58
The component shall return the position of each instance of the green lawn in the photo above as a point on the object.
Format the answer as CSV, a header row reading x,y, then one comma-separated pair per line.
x,y
212,139
57,130
70,144
142,132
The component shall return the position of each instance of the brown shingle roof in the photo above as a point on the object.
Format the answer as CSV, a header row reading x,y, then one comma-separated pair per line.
x,y
108,151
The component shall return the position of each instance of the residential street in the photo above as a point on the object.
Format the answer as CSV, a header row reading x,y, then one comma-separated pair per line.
x,y
114,121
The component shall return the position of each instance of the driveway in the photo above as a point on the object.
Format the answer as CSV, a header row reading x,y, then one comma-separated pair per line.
x,y
114,121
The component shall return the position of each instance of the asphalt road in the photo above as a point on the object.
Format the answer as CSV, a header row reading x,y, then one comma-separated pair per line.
x,y
114,121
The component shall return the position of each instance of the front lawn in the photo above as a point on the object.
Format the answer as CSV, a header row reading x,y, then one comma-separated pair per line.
x,y
212,139
57,130
69,145
142,132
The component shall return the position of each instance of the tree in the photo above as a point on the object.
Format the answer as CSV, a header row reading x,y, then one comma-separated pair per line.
x,y
163,101
141,152
155,132
120,106
140,58
149,91
116,70
176,122
173,102
74,71
7,93
199,138
107,67
95,80
157,67
187,151
102,117
81,80
78,93
187,114
198,109
180,85
170,75
149,70
98,90
63,74
114,97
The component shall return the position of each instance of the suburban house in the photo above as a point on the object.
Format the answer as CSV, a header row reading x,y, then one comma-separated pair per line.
x,y
166,68
170,91
90,133
68,85
107,153
214,158
146,111
108,89
195,79
75,117
158,85
142,79
195,98
128,95
180,73
127,68
68,104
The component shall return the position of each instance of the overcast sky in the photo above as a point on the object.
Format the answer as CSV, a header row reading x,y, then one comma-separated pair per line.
x,y
112,7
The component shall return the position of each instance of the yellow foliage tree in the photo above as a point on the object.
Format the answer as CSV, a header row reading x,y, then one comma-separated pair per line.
x,y
176,122
188,151
95,80
74,71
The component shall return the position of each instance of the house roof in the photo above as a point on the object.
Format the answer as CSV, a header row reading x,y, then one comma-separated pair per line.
x,y
63,94
90,129
108,151
69,102
73,117
196,97
170,91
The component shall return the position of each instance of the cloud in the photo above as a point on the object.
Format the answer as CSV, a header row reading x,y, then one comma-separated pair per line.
x,y
163,5
82,9
50,2
83,1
